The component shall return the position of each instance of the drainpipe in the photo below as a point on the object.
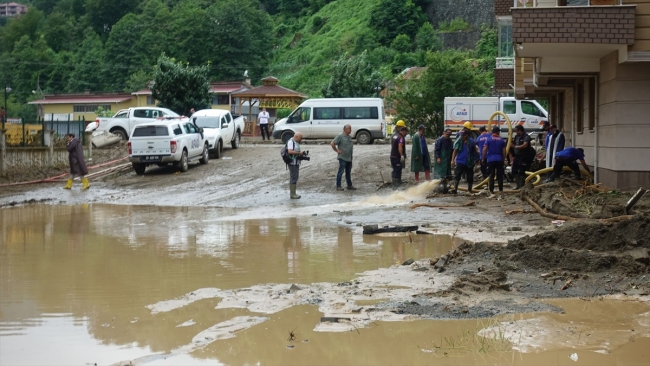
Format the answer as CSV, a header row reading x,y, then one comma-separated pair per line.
x,y
596,117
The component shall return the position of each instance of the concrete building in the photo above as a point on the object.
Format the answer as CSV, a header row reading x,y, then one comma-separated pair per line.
x,y
60,106
591,60
12,9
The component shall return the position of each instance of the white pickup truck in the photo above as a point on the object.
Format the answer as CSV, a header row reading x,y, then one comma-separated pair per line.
x,y
220,128
167,142
124,120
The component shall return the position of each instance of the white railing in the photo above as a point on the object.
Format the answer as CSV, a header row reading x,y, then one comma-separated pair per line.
x,y
505,63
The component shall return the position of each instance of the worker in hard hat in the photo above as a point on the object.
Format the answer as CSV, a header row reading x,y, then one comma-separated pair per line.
x,y
467,127
398,126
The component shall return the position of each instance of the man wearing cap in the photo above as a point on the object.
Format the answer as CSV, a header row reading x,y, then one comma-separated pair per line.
x,y
420,158
480,142
398,156
463,160
494,155
555,144
442,153
568,157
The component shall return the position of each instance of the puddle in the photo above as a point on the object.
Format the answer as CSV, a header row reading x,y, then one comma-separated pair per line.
x,y
104,284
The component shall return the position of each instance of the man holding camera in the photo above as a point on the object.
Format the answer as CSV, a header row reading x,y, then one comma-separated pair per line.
x,y
293,149
342,144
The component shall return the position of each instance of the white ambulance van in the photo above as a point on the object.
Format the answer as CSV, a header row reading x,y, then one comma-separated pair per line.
x,y
527,113
325,118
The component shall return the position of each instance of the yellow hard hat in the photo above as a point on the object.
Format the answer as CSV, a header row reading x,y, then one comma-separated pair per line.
x,y
468,125
400,123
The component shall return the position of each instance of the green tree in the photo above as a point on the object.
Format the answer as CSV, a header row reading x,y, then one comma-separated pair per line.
x,y
427,39
57,80
157,20
122,54
353,76
190,33
402,43
138,80
59,32
32,61
420,100
89,71
393,17
246,46
24,25
104,14
181,87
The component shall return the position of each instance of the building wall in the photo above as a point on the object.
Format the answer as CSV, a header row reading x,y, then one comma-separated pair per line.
x,y
68,108
623,124
503,78
641,25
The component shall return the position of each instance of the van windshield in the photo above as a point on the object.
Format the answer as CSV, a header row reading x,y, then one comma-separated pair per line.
x,y
301,114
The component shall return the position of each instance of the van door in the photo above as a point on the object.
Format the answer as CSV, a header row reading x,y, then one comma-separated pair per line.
x,y
327,122
532,117
300,121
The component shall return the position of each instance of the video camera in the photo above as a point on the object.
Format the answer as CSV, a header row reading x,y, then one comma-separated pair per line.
x,y
304,157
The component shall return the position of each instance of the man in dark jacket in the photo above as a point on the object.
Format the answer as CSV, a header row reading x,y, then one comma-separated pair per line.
x,y
442,154
77,164
420,159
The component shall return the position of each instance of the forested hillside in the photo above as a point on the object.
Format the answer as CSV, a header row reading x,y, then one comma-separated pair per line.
x,y
64,46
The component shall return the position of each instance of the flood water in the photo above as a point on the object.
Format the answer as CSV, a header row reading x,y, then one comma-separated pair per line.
x,y
77,283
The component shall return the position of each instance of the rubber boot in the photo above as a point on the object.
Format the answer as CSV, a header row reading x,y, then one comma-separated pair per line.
x,y
68,185
518,180
396,183
456,183
427,175
292,189
417,177
86,185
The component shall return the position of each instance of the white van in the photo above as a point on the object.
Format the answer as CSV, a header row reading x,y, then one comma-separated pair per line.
x,y
527,113
325,118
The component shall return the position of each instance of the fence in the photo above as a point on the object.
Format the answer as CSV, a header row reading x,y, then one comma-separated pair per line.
x,y
24,133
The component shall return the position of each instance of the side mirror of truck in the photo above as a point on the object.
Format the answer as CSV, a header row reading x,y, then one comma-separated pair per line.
x,y
200,129
224,125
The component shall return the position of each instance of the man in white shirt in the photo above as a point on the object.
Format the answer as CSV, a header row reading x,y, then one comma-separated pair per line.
x,y
263,120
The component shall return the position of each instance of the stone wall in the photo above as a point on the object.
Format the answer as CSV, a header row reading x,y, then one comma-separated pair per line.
x,y
35,158
474,12
503,78
460,40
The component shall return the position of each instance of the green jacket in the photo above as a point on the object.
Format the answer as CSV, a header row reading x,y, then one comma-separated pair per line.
x,y
419,162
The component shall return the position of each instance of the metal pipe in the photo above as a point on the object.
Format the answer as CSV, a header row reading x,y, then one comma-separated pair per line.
x,y
596,113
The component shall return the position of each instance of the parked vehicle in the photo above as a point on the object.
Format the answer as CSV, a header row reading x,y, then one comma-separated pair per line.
x,y
124,120
478,110
325,118
220,128
167,142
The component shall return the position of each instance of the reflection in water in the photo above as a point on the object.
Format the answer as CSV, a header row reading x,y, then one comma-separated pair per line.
x,y
102,265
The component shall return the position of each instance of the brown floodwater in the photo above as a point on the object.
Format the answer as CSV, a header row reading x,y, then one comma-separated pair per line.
x,y
75,283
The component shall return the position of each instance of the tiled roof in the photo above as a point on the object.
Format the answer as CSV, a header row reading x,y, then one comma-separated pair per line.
x,y
269,91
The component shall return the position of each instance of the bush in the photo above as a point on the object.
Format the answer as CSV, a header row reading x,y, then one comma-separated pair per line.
x,y
455,25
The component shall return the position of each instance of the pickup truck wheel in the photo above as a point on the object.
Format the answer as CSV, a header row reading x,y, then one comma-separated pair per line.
x,y
236,141
364,138
120,132
217,150
182,164
286,136
206,155
139,168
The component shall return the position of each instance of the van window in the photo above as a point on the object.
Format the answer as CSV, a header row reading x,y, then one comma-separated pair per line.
x,y
360,113
530,108
300,115
327,113
228,117
510,107
150,131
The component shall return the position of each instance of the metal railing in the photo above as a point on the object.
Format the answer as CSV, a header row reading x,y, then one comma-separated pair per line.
x,y
505,62
30,133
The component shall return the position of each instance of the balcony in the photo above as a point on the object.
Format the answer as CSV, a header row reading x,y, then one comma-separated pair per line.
x,y
505,63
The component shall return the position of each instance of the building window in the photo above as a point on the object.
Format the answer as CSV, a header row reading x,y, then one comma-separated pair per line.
x,y
79,109
505,38
150,100
221,99
580,105
87,108
592,104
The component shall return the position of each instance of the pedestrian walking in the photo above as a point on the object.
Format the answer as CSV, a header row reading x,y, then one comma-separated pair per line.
x,y
555,144
77,163
342,144
263,120
293,149
480,142
398,156
568,157
442,152
523,155
420,158
463,160
494,156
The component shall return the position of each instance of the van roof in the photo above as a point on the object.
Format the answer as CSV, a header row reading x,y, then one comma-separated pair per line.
x,y
342,100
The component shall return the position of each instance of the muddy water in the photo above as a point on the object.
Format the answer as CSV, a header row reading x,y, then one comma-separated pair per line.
x,y
76,283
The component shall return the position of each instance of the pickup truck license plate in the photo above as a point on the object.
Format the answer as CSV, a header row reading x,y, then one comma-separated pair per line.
x,y
150,158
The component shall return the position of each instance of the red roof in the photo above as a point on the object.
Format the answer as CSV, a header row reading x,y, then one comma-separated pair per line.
x,y
142,92
83,99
